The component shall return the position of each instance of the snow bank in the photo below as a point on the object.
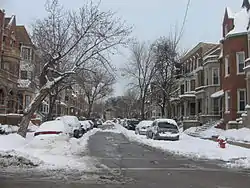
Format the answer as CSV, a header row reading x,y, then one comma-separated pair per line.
x,y
61,152
236,135
46,151
11,141
193,147
9,128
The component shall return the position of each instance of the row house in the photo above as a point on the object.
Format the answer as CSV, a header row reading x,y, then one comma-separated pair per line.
x,y
235,50
9,66
216,78
191,102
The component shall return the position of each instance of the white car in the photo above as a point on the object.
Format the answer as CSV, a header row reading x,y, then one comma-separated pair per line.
x,y
86,125
53,128
142,127
163,129
74,124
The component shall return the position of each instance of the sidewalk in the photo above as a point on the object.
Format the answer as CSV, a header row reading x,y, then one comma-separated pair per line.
x,y
244,145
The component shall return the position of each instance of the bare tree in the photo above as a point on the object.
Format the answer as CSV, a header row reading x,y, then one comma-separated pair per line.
x,y
166,59
141,68
69,41
96,85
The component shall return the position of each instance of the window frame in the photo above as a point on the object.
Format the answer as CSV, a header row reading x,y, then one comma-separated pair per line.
x,y
238,62
213,70
238,100
227,104
226,66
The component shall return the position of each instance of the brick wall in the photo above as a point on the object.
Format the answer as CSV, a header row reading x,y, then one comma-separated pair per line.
x,y
233,81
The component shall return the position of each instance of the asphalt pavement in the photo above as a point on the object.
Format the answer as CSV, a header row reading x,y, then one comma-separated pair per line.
x,y
128,164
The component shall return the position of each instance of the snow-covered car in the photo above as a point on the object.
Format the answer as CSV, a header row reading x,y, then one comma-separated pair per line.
x,y
53,128
86,125
142,127
74,124
163,129
108,122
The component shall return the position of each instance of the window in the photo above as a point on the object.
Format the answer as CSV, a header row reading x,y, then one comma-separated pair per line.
x,y
26,53
1,97
240,59
215,76
27,100
182,89
24,75
241,96
6,66
192,85
186,86
227,101
216,106
227,66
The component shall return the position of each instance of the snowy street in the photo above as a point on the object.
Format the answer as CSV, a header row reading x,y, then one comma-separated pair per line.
x,y
115,157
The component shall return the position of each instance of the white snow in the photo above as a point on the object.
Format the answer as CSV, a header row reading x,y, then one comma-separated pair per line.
x,y
217,94
47,152
195,148
144,123
54,126
229,13
240,23
24,83
170,121
187,95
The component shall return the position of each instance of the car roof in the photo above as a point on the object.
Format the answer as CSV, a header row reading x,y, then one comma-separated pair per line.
x,y
171,121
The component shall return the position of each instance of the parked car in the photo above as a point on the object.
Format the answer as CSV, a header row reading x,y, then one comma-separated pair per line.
x,y
53,128
86,125
142,127
130,124
165,129
74,124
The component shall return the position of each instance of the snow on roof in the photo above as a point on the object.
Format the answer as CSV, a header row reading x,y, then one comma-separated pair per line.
x,y
24,83
217,94
171,121
145,123
187,95
52,126
241,20
229,12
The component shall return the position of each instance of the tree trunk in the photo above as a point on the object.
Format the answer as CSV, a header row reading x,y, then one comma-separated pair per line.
x,y
143,108
52,100
30,110
89,109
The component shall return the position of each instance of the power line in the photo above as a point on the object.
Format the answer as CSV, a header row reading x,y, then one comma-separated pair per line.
x,y
184,22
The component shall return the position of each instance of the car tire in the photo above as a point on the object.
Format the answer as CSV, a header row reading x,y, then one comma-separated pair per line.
x,y
76,134
154,137
136,131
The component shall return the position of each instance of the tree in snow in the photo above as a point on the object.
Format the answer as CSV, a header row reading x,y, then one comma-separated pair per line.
x,y
96,84
141,69
163,82
68,42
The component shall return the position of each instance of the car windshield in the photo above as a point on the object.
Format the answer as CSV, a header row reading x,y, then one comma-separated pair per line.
x,y
166,125
133,122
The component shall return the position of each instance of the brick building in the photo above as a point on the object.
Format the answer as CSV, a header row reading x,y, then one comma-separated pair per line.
x,y
235,51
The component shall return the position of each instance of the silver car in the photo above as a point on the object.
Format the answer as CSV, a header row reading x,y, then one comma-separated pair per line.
x,y
142,127
163,129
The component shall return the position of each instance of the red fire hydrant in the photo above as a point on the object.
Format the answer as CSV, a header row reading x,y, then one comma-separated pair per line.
x,y
222,142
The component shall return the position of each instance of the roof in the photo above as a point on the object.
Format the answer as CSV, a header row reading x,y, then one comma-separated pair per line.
x,y
22,35
205,47
230,13
241,20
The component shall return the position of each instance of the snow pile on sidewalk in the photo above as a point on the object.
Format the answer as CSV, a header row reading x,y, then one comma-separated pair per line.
x,y
9,128
195,148
47,152
237,135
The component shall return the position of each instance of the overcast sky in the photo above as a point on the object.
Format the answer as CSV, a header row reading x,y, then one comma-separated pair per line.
x,y
150,18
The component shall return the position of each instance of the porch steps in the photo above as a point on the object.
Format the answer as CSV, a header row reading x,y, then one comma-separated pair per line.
x,y
195,131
